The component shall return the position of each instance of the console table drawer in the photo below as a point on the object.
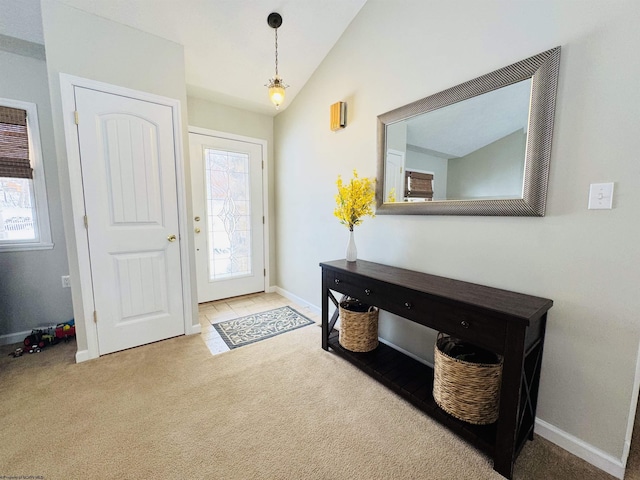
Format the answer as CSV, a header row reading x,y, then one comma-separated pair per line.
x,y
480,330
421,308
349,285
454,320
373,292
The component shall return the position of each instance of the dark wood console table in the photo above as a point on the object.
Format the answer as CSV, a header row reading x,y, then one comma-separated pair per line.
x,y
508,323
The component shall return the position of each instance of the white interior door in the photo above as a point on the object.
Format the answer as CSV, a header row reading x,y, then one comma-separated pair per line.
x,y
228,216
394,176
128,170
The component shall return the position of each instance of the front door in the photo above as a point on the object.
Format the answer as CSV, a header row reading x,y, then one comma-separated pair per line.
x,y
128,170
228,216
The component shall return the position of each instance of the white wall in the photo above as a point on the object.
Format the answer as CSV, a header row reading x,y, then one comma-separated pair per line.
x,y
588,262
495,170
84,45
31,291
214,116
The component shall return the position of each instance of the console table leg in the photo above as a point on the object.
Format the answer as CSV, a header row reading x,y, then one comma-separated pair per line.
x,y
507,432
325,314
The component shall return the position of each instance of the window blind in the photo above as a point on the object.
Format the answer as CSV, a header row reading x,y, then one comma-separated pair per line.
x,y
418,185
14,144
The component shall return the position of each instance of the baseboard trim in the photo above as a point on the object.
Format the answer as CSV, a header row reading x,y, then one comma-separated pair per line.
x,y
17,337
82,356
298,300
194,329
579,448
406,352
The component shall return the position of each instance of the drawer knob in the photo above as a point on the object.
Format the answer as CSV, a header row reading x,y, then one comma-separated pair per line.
x,y
337,281
367,291
464,324
408,305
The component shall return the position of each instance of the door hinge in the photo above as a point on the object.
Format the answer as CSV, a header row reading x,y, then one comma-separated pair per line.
x,y
86,222
76,117
263,219
95,317
265,272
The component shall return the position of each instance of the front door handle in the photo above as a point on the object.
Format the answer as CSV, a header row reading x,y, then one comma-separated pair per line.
x,y
171,238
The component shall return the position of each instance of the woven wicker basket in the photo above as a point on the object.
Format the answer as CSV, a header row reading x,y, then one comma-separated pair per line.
x,y
468,391
359,330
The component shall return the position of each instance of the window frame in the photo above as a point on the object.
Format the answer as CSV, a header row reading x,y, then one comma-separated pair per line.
x,y
40,205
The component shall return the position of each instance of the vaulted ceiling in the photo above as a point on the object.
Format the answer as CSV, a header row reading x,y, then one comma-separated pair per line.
x,y
229,47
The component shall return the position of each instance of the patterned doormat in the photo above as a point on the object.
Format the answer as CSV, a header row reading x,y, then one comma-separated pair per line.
x,y
259,326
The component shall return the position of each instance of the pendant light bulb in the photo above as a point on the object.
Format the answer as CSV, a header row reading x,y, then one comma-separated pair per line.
x,y
276,92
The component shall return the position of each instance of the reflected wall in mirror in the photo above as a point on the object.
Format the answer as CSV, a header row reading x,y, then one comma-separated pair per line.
x,y
480,148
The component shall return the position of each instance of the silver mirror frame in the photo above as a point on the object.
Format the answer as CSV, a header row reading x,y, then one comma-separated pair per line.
x,y
543,70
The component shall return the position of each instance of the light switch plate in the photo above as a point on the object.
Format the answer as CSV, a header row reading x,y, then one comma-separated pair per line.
x,y
601,196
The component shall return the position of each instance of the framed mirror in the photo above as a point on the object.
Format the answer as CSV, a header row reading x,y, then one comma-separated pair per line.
x,y
479,148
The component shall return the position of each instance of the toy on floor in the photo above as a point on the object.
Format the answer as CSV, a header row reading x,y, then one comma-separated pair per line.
x,y
16,353
65,330
40,337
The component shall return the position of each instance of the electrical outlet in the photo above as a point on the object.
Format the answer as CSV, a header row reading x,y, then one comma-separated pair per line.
x,y
66,281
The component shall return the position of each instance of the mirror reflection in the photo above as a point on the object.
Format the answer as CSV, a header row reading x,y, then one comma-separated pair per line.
x,y
474,149
482,147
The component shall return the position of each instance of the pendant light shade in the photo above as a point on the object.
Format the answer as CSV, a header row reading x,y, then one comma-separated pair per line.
x,y
276,86
276,92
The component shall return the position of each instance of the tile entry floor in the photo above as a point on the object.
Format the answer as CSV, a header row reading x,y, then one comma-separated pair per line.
x,y
230,308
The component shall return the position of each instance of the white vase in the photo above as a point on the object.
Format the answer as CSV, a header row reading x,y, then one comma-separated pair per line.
x,y
352,251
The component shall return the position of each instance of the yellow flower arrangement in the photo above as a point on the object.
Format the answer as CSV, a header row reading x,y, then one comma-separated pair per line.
x,y
354,200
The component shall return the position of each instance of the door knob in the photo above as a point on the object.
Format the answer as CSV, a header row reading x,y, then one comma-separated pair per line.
x,y
197,230
171,238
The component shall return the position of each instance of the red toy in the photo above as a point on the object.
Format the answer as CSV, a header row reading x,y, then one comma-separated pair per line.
x,y
65,330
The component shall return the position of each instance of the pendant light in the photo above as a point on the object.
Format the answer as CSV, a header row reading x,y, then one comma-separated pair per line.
x,y
276,86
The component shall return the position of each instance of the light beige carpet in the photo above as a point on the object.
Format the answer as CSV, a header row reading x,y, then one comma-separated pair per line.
x,y
279,409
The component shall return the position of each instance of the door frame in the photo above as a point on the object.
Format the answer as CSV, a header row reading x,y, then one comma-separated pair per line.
x,y
265,188
82,287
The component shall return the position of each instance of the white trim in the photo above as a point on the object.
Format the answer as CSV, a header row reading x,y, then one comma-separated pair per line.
x,y
298,300
83,356
632,411
21,247
190,328
580,448
82,284
17,337
39,195
67,84
265,187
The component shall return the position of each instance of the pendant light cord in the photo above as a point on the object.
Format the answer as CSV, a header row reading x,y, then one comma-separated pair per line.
x,y
276,51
